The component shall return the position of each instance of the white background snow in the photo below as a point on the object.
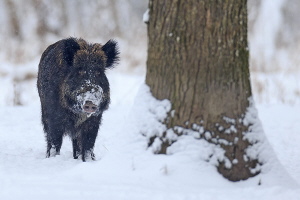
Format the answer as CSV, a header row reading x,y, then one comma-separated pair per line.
x,y
125,168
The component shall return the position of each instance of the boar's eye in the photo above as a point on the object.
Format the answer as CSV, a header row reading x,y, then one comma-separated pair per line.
x,y
98,73
81,72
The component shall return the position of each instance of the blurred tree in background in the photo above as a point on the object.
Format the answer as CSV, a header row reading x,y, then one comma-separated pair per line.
x,y
28,27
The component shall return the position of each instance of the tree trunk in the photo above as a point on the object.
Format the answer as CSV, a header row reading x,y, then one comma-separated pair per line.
x,y
13,20
198,59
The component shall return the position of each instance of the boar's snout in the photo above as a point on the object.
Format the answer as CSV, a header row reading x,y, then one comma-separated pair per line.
x,y
89,107
89,99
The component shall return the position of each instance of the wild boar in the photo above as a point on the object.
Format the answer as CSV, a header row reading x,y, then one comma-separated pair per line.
x,y
74,92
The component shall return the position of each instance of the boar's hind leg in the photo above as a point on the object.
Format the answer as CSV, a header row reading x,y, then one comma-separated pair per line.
x,y
76,150
54,142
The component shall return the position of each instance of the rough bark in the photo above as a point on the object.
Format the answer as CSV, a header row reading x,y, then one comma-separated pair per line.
x,y
198,59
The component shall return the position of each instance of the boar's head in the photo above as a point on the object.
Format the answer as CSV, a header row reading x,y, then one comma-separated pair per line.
x,y
85,87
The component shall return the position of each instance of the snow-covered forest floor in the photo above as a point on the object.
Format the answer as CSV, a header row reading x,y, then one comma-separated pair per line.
x,y
126,169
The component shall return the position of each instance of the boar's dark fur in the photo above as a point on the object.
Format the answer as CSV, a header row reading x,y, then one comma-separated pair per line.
x,y
74,93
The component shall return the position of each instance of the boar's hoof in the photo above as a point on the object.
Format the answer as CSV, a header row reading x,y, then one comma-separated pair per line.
x,y
89,155
52,152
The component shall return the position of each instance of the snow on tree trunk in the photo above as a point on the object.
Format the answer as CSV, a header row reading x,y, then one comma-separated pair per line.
x,y
198,59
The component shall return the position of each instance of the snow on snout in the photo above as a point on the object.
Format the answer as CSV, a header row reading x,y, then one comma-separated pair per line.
x,y
94,95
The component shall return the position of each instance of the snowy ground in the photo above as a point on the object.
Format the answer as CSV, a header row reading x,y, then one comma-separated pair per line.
x,y
125,169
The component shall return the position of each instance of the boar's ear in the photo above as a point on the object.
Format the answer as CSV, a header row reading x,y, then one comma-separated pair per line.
x,y
70,48
111,51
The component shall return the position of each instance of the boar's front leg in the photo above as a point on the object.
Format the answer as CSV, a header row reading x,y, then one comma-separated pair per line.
x,y
54,137
89,134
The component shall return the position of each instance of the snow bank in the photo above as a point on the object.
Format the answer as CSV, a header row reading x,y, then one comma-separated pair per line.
x,y
149,114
